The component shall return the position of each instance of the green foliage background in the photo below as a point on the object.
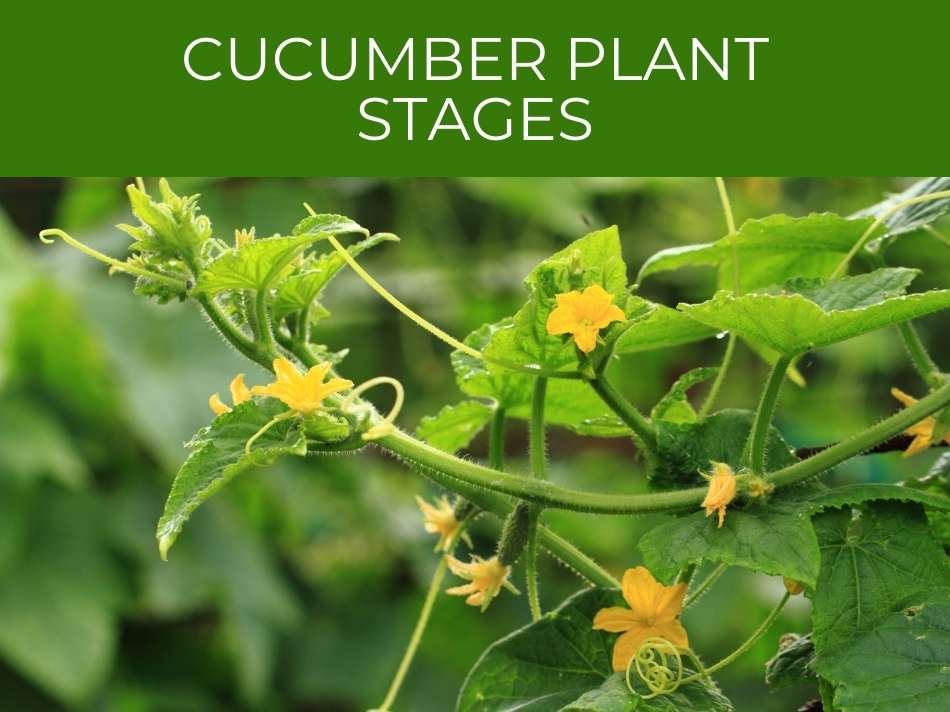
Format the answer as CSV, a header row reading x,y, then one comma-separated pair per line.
x,y
297,587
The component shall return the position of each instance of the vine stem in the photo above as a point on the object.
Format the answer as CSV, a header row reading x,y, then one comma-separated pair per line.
x,y
704,585
626,411
434,587
744,648
451,472
496,440
882,218
539,470
736,290
919,356
763,415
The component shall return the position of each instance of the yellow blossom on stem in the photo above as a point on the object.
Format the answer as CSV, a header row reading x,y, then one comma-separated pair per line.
x,y
239,394
653,613
243,236
440,519
485,577
722,490
583,315
301,392
922,432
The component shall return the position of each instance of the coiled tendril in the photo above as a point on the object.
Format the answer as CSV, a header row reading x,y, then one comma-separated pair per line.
x,y
659,664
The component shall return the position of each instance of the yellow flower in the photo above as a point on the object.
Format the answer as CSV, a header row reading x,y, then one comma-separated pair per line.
x,y
922,432
653,613
301,392
583,315
485,579
722,490
440,519
239,394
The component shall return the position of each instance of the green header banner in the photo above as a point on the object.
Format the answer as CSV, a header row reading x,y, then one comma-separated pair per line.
x,y
486,88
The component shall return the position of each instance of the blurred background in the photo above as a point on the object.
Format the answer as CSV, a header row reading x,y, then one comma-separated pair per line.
x,y
297,586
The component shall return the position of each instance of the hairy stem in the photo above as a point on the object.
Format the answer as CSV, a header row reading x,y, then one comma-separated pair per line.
x,y
704,585
455,473
238,339
763,416
539,470
627,412
720,377
496,440
423,621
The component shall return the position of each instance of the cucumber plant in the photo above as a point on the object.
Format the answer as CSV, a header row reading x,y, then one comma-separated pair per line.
x,y
870,557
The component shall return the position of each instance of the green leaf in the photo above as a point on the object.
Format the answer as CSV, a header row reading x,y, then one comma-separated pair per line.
x,y
300,289
674,407
793,664
60,627
569,403
912,217
771,250
660,328
761,537
857,292
900,662
560,663
792,324
254,265
871,559
594,259
326,223
455,426
218,455
685,449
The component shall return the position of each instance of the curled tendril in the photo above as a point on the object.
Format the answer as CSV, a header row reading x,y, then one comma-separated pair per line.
x,y
659,664
386,426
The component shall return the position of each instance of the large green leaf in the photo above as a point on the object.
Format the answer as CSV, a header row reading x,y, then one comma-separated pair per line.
x,y
218,454
560,663
684,449
299,290
871,559
761,536
911,217
660,328
254,265
791,323
771,250
902,661
455,426
327,223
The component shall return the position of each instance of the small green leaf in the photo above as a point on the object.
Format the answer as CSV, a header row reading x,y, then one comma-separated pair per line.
x,y
301,289
936,482
660,328
559,664
674,407
455,426
912,217
792,323
170,229
254,265
326,223
771,250
685,449
218,455
570,403
793,664
900,662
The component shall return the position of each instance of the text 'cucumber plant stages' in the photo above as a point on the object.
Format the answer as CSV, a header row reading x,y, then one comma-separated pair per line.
x,y
870,557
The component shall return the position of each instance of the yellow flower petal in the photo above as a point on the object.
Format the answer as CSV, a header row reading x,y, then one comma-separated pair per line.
x,y
586,339
239,392
285,370
627,646
217,405
903,397
722,490
614,619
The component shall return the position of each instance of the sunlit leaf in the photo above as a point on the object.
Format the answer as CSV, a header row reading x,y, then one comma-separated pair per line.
x,y
253,265
455,426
